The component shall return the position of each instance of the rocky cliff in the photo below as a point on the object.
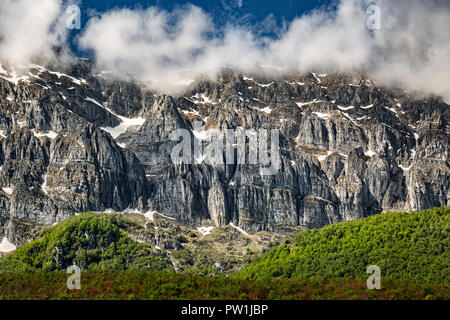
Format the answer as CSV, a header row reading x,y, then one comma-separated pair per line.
x,y
73,139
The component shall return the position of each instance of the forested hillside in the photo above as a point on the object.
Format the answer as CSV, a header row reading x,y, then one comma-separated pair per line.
x,y
411,249
406,246
90,241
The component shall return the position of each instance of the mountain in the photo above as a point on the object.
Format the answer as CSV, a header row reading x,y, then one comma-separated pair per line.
x,y
74,139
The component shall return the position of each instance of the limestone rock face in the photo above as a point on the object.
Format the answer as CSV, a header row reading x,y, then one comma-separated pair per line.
x,y
74,140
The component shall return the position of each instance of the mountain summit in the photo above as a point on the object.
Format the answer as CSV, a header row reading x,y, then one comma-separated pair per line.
x,y
74,140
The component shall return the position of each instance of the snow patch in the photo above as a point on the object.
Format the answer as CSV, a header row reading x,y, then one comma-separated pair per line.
x,y
346,108
370,153
392,110
205,230
7,246
126,123
301,104
202,99
265,85
239,229
349,118
322,115
21,124
316,76
74,80
95,102
195,112
58,74
405,168
322,158
124,126
44,185
13,78
50,134
267,110
150,215
122,145
8,190
259,84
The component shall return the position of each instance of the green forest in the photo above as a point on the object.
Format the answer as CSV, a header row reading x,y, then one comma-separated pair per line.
x,y
92,242
406,246
411,249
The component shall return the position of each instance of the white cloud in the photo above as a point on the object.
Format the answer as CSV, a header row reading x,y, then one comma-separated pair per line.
x,y
411,48
324,40
166,50
154,46
30,29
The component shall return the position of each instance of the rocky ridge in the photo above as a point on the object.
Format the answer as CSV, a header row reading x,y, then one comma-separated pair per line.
x,y
74,139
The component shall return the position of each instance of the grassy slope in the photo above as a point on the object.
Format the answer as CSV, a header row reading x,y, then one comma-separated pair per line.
x,y
412,250
406,246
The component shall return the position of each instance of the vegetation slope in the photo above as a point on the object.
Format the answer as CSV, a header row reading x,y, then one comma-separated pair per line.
x,y
406,246
90,241
411,249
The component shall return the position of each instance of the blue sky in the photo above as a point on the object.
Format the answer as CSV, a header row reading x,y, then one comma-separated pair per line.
x,y
223,11
258,9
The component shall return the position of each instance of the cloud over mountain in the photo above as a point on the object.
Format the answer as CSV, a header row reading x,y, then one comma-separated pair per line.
x,y
30,29
167,50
